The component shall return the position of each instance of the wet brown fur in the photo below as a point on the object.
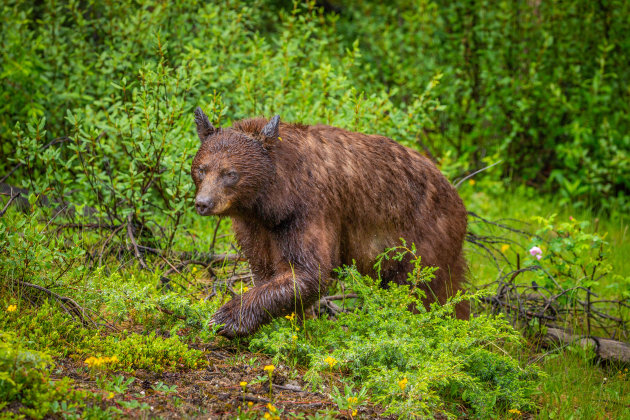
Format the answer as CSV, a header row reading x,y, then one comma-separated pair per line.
x,y
321,197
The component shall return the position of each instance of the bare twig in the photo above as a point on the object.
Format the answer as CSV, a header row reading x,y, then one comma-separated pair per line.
x,y
11,198
135,245
458,183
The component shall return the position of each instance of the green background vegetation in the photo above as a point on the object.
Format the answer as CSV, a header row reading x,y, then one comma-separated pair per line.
x,y
96,119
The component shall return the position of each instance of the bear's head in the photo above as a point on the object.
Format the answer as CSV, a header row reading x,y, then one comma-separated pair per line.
x,y
230,167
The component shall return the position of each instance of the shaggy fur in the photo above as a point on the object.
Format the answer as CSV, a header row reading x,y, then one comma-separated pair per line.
x,y
306,199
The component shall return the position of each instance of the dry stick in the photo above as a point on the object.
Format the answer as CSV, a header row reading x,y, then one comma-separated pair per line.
x,y
289,388
169,312
503,226
341,297
214,235
183,264
475,173
6,207
212,258
109,238
254,399
75,311
135,245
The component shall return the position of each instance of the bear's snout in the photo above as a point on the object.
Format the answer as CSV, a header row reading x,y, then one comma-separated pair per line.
x,y
204,205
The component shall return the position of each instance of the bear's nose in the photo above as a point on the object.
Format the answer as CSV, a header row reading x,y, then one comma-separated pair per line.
x,y
204,205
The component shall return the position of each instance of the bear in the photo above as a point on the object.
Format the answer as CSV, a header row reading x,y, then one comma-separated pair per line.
x,y
305,199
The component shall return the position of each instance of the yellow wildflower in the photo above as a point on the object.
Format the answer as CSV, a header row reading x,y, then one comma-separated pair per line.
x,y
331,361
110,396
403,384
280,138
267,415
294,337
504,247
353,400
93,362
245,289
271,408
290,317
269,369
514,411
194,269
11,308
244,385
250,404
472,182
354,412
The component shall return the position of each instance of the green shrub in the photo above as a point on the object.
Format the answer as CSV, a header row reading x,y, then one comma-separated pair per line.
x,y
414,364
25,378
541,84
151,352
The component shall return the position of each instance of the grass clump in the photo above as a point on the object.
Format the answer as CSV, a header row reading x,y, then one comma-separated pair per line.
x,y
416,365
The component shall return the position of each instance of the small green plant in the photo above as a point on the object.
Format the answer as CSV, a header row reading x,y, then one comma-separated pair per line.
x,y
349,401
166,389
134,405
118,384
269,369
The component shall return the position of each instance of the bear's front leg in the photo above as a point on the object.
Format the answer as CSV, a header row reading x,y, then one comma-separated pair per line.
x,y
287,292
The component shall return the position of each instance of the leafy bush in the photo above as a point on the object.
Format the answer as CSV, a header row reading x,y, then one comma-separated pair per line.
x,y
412,363
539,85
25,378
124,145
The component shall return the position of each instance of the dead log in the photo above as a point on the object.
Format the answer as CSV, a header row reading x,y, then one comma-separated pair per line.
x,y
606,349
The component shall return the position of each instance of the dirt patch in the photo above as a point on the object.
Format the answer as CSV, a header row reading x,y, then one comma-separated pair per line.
x,y
215,392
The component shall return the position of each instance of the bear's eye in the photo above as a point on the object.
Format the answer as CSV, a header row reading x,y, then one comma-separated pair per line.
x,y
201,172
231,177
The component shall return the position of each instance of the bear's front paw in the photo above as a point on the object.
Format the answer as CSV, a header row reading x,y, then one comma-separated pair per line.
x,y
234,320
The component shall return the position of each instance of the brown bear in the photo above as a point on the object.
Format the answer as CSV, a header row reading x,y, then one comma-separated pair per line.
x,y
306,199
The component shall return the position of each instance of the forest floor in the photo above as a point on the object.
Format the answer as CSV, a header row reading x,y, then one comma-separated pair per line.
x,y
231,381
214,392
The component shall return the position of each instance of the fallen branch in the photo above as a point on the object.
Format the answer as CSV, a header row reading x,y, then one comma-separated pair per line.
x,y
606,349
171,313
66,303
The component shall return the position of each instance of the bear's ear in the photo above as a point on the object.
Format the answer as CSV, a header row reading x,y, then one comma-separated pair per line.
x,y
204,128
271,131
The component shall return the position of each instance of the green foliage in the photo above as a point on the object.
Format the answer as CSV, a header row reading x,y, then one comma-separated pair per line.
x,y
411,363
96,119
49,329
29,253
25,378
539,85
122,146
151,352
576,266
573,256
